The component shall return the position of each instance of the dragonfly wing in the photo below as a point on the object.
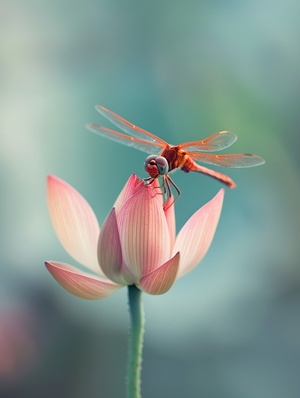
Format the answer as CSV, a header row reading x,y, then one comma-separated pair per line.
x,y
238,160
213,143
124,139
130,128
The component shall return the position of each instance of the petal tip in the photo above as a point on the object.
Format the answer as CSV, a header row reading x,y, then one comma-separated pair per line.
x,y
80,283
160,280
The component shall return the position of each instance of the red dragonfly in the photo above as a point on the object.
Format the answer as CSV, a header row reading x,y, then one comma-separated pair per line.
x,y
165,158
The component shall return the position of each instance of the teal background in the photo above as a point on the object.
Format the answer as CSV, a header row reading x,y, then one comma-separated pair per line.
x,y
182,70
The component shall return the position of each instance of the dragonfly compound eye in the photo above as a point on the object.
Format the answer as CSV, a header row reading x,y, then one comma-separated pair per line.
x,y
156,165
162,165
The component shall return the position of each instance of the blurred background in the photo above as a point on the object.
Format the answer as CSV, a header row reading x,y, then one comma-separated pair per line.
x,y
182,70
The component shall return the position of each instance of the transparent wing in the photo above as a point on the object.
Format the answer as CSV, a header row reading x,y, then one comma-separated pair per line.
x,y
239,160
124,139
130,128
213,143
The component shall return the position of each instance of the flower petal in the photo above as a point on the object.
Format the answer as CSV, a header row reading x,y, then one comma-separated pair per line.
x,y
196,235
109,249
169,209
74,222
127,191
80,283
144,233
161,279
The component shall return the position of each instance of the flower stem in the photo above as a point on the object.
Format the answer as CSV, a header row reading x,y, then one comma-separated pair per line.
x,y
136,334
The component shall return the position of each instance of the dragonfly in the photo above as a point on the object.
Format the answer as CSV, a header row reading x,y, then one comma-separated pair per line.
x,y
165,158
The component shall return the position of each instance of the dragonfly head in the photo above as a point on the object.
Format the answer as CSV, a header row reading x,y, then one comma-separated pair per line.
x,y
156,166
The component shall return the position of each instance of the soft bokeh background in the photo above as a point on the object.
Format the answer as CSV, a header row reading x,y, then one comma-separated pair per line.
x,y
182,70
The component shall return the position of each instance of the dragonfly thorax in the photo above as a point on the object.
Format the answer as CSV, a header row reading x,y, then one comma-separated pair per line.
x,y
175,156
156,166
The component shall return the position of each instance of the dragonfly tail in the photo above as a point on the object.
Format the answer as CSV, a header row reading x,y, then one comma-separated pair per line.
x,y
223,178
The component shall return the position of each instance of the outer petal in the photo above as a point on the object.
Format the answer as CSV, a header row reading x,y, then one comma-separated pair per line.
x,y
170,217
161,279
74,222
109,249
196,235
144,233
128,190
80,283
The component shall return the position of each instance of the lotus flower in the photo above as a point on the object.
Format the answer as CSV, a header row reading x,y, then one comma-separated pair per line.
x,y
137,244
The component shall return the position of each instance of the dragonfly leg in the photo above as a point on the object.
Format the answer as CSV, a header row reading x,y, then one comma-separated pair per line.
x,y
149,180
166,187
167,183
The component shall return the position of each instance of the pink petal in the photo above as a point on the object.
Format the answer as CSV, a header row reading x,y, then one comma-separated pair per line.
x,y
170,217
144,233
74,222
80,283
109,249
127,191
196,235
161,279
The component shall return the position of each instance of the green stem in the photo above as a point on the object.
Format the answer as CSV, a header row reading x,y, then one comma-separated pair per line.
x,y
136,334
